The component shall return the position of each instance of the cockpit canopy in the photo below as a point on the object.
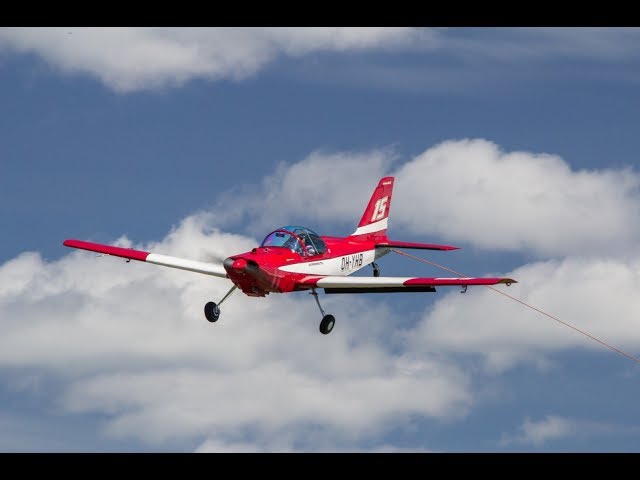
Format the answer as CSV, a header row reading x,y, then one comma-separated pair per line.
x,y
301,240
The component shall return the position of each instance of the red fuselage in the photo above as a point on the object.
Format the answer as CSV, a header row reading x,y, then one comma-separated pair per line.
x,y
259,271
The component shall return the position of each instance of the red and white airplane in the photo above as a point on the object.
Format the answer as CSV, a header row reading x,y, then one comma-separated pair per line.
x,y
295,258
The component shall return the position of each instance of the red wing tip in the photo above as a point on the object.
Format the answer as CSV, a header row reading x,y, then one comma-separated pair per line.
x,y
107,249
71,242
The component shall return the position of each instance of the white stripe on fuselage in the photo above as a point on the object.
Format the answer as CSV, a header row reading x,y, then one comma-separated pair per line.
x,y
341,266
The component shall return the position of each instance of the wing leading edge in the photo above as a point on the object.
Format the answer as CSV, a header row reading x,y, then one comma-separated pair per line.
x,y
337,284
148,257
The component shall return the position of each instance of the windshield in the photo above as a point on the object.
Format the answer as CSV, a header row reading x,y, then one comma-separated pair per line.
x,y
293,238
283,238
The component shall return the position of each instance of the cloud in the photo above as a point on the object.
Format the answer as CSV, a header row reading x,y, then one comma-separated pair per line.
x,y
322,187
132,59
217,446
269,400
461,190
129,59
553,427
595,295
537,433
472,191
129,342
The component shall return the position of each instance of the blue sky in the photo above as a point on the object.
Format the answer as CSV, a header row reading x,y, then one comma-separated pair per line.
x,y
518,145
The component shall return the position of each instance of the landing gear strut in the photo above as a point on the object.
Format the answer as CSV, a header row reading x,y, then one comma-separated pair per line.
x,y
328,321
212,310
376,269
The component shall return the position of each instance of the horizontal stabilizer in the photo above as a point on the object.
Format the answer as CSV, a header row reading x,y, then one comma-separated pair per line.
x,y
422,246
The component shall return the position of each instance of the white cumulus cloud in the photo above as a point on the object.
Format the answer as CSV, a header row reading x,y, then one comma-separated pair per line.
x,y
466,191
320,188
128,59
270,398
129,341
472,191
595,295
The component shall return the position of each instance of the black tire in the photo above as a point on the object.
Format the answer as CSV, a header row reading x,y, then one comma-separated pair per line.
x,y
327,324
212,312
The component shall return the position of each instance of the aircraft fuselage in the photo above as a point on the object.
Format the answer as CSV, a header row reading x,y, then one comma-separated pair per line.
x,y
265,270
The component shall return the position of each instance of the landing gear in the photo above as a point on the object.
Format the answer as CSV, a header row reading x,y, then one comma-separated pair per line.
x,y
376,269
328,321
212,309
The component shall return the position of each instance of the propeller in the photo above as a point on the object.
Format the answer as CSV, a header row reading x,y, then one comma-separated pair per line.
x,y
213,257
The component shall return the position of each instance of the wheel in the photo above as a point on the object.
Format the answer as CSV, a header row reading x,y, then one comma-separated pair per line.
x,y
212,312
327,323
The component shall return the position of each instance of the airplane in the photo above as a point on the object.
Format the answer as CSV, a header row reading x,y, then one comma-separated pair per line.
x,y
295,258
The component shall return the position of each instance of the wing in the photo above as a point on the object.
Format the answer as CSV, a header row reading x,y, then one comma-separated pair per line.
x,y
155,258
336,284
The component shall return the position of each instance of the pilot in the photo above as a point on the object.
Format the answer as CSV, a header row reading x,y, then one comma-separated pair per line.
x,y
294,245
308,246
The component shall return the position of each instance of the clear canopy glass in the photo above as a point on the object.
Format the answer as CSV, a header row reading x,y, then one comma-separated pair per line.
x,y
301,240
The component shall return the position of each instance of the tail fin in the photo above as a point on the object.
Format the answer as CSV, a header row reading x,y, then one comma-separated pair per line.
x,y
374,219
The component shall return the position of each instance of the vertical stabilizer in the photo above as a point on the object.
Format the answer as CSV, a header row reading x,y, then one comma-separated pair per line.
x,y
374,219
